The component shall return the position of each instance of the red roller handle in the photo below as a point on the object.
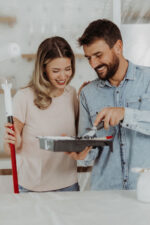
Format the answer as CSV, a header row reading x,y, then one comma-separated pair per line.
x,y
14,166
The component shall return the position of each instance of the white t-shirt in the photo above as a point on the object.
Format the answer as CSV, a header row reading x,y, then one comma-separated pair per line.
x,y
38,169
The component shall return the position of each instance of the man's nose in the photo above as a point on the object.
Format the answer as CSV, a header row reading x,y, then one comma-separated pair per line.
x,y
94,62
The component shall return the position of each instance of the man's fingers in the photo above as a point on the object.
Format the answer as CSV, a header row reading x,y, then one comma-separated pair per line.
x,y
100,117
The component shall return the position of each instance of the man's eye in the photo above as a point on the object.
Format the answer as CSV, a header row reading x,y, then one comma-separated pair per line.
x,y
54,71
98,56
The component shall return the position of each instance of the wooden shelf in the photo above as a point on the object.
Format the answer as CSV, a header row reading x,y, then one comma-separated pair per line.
x,y
79,56
30,57
8,20
4,155
13,91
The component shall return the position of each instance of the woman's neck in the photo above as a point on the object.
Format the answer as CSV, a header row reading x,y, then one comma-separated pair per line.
x,y
55,92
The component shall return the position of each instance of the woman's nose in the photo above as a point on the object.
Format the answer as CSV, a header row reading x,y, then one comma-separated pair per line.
x,y
62,74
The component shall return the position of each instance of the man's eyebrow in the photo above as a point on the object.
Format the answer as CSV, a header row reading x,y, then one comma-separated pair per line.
x,y
99,52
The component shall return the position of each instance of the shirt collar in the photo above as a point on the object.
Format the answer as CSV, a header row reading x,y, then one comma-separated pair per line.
x,y
130,75
131,71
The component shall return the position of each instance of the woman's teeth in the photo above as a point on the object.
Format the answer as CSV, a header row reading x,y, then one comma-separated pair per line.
x,y
61,82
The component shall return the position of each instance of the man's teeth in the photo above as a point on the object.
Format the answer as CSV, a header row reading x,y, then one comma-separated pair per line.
x,y
101,68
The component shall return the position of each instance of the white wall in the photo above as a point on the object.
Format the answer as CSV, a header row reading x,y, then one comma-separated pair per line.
x,y
39,19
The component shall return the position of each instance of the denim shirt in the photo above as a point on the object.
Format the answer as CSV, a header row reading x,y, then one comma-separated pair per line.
x,y
131,145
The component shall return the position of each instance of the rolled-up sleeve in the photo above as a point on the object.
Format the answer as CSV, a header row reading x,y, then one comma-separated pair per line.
x,y
138,120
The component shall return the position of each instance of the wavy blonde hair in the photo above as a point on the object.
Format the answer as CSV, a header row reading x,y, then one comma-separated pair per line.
x,y
49,49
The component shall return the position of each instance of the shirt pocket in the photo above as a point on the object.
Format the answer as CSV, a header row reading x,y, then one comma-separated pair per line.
x,y
145,102
94,112
95,109
133,102
139,102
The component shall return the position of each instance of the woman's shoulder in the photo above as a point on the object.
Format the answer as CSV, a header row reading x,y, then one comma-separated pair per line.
x,y
24,93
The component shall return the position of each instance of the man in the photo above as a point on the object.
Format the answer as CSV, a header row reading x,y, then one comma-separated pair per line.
x,y
121,97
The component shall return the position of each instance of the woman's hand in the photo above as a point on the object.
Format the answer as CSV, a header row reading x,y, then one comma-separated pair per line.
x,y
80,155
12,137
83,85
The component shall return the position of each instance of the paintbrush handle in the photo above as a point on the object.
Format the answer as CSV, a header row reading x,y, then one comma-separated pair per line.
x,y
100,125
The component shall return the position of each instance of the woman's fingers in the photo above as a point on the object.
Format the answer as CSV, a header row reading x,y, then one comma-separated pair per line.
x,y
9,134
84,153
10,131
10,137
80,155
10,142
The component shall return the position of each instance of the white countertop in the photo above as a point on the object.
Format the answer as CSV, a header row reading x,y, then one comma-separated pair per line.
x,y
74,208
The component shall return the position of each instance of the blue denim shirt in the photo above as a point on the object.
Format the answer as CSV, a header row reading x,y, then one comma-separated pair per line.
x,y
131,146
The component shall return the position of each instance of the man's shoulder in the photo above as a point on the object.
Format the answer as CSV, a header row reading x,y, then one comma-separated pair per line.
x,y
91,86
143,69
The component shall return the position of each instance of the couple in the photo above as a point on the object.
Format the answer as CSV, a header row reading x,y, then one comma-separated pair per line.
x,y
120,96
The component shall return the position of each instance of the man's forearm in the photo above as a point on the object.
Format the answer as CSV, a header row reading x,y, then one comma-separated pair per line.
x,y
137,120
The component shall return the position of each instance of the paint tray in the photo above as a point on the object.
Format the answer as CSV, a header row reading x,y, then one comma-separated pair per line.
x,y
72,144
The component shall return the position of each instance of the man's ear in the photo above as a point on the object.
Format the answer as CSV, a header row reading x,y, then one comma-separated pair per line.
x,y
118,46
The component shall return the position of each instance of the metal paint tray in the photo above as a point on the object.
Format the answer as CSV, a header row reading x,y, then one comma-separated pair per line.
x,y
72,144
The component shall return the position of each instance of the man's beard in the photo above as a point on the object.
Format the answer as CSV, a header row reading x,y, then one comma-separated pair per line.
x,y
111,69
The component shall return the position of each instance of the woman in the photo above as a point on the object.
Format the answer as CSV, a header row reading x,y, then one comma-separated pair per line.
x,y
48,106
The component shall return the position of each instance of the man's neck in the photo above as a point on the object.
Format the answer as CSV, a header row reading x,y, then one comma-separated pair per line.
x,y
120,74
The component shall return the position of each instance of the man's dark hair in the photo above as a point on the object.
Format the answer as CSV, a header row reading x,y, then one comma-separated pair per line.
x,y
101,29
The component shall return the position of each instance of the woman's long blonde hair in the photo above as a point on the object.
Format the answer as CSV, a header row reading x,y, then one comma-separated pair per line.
x,y
49,49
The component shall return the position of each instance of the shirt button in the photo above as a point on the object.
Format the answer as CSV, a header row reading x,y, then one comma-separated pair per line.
x,y
117,92
125,180
127,124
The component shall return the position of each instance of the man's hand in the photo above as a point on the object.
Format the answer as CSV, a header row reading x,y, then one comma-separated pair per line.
x,y
80,155
111,116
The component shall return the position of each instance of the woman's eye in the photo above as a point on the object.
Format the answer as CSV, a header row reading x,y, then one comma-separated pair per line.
x,y
68,69
54,71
